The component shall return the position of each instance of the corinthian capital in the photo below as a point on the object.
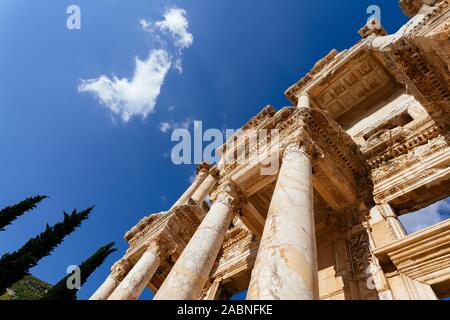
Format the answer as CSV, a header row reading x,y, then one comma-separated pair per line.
x,y
203,167
120,269
302,142
162,245
215,172
229,195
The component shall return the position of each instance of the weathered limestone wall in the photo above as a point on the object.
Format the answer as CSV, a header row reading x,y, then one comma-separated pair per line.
x,y
334,267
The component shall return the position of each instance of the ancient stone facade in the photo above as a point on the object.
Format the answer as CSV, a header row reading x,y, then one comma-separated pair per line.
x,y
366,141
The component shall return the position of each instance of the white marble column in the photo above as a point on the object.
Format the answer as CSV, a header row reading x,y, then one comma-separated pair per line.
x,y
203,190
190,273
118,272
286,265
202,174
304,101
140,275
393,221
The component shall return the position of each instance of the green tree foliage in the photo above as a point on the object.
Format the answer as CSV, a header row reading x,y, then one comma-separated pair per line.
x,y
14,266
29,288
60,291
11,213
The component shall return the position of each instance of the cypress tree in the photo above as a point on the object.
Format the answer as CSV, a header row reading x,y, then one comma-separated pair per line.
x,y
10,213
14,266
60,291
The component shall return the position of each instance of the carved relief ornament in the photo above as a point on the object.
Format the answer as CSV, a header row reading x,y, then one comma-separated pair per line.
x,y
229,195
302,143
120,269
161,245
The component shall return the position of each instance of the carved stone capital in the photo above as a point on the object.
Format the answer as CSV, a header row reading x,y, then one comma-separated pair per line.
x,y
161,245
215,172
302,143
229,195
203,167
120,269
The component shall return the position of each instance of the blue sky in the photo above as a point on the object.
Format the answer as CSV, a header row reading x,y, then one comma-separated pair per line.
x,y
64,143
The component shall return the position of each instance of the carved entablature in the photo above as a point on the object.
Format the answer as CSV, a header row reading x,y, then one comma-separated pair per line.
x,y
411,7
409,159
372,27
145,226
340,173
260,121
178,223
423,79
418,57
401,181
391,144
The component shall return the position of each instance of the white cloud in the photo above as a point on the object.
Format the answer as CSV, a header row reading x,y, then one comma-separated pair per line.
x,y
426,217
135,97
165,126
172,125
171,108
176,24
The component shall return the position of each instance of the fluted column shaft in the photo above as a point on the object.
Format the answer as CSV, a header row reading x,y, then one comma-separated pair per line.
x,y
203,190
140,275
286,265
105,290
118,272
191,271
137,279
202,174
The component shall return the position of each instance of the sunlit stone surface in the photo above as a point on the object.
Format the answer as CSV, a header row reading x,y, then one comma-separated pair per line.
x,y
365,141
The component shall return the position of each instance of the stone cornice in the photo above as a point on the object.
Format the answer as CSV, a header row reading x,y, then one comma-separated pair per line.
x,y
411,7
395,144
423,256
408,159
165,224
155,220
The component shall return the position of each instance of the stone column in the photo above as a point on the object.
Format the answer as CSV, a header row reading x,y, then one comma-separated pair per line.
x,y
385,225
140,275
118,272
286,265
394,222
208,184
304,101
202,174
190,273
